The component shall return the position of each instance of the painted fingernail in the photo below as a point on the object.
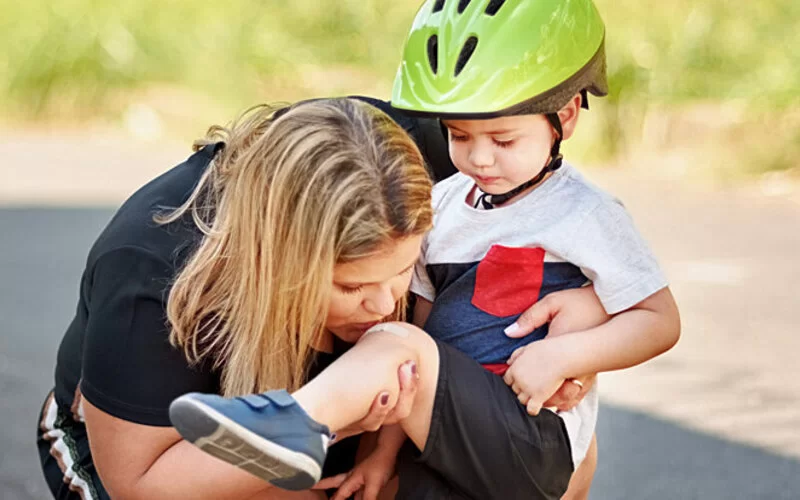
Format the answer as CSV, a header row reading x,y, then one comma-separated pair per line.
x,y
384,399
413,368
511,329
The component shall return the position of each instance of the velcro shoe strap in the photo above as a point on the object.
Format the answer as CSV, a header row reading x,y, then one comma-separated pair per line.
x,y
280,398
255,401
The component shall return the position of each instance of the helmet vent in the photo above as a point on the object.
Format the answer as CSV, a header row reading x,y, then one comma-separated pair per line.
x,y
494,6
463,4
439,5
433,53
466,53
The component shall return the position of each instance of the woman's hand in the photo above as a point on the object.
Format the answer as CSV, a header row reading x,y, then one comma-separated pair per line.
x,y
571,393
566,311
380,413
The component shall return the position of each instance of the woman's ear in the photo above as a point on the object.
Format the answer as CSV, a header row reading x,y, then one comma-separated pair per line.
x,y
569,116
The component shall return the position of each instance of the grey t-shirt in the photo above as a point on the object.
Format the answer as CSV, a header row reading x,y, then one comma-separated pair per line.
x,y
483,268
566,218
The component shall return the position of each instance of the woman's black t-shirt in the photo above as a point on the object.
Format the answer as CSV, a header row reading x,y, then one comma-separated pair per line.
x,y
116,349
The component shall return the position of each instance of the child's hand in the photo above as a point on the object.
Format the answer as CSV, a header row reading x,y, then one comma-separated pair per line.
x,y
534,374
371,474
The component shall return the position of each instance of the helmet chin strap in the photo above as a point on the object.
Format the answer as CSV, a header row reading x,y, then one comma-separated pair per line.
x,y
489,201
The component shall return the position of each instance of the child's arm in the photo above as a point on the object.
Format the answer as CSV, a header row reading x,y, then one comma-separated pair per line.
x,y
633,336
377,468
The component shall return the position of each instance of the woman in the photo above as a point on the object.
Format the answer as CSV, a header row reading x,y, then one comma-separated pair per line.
x,y
244,276
243,271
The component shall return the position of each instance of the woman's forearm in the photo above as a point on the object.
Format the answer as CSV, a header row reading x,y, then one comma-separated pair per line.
x,y
184,471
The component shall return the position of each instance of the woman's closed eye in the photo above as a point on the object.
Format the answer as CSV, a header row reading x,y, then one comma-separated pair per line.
x,y
353,289
350,289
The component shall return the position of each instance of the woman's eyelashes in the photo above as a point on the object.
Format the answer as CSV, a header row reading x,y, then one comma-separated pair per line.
x,y
355,289
350,290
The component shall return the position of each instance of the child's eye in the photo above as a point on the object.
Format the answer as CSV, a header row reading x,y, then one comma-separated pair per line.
x,y
504,144
457,138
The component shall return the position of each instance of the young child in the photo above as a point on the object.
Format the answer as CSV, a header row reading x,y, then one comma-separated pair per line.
x,y
516,223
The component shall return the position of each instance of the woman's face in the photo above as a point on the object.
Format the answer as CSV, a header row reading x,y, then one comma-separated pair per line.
x,y
367,290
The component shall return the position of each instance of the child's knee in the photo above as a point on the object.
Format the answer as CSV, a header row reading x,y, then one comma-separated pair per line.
x,y
396,328
400,334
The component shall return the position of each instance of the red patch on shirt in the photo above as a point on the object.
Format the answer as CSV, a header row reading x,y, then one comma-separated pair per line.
x,y
496,368
508,280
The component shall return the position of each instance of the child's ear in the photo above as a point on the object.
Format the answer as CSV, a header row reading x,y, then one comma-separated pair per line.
x,y
569,116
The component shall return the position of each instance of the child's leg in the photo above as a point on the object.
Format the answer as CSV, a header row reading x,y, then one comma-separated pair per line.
x,y
283,439
343,393
581,480
479,440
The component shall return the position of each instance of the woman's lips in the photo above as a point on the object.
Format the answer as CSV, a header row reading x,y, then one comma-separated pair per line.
x,y
363,327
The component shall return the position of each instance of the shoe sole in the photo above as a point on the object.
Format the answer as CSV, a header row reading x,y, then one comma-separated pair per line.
x,y
223,438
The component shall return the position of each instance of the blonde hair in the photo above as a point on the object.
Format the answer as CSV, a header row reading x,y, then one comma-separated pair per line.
x,y
293,192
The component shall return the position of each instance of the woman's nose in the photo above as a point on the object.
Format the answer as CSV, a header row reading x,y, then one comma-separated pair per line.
x,y
381,301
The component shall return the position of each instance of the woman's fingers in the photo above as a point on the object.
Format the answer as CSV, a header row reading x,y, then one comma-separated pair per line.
x,y
571,393
565,398
538,314
381,410
409,382
377,413
587,383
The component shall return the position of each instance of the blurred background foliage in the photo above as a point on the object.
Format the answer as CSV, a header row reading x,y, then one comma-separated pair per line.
x,y
710,88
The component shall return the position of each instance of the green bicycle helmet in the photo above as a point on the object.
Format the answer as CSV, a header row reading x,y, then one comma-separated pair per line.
x,y
489,58
477,59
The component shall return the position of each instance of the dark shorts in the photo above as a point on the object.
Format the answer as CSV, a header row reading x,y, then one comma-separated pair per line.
x,y
65,456
482,443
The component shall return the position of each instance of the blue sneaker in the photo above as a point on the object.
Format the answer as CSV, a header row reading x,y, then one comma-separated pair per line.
x,y
268,435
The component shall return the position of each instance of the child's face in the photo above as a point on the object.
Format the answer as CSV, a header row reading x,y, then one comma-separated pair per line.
x,y
501,153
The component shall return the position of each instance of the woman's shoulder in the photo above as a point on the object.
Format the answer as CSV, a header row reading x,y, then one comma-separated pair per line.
x,y
133,229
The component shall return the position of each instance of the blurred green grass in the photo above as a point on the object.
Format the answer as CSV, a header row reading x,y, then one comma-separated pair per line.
x,y
727,70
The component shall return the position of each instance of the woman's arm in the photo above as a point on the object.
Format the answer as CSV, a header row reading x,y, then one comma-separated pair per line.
x,y
422,309
139,461
631,337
